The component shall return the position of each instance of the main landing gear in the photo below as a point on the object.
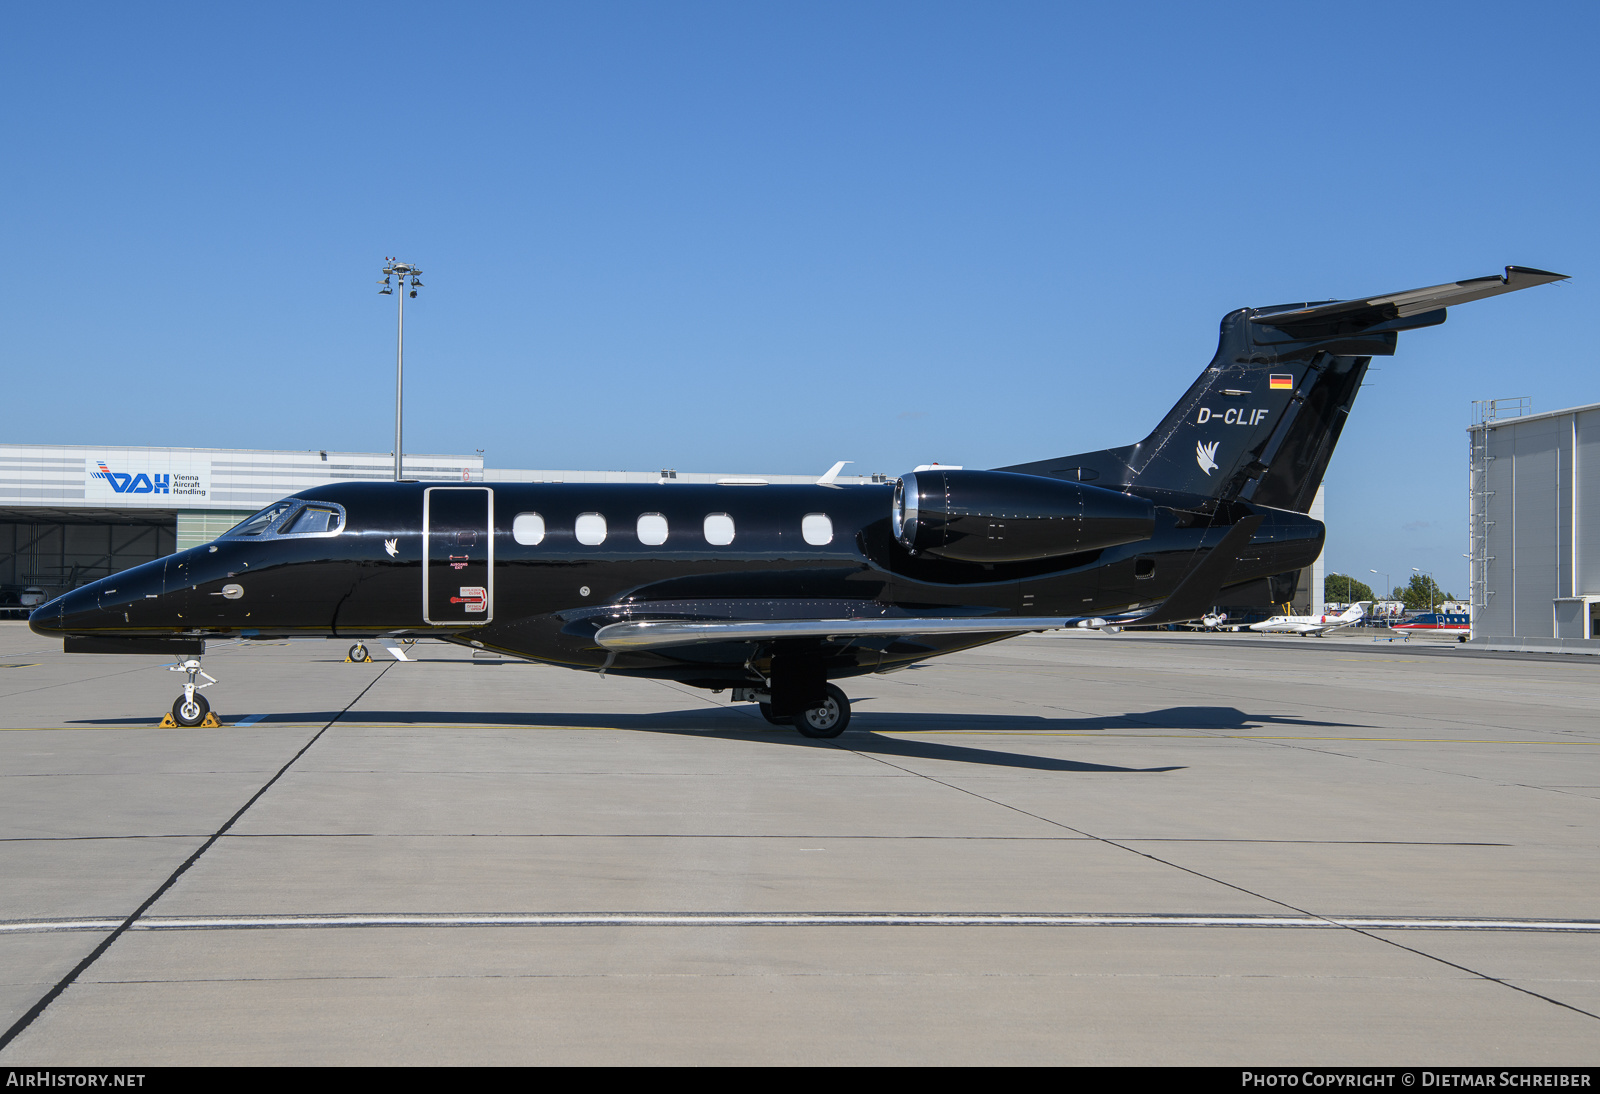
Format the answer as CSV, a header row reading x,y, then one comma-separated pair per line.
x,y
822,720
191,708
826,719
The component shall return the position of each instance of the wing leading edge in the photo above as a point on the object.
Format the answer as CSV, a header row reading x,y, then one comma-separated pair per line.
x,y
662,634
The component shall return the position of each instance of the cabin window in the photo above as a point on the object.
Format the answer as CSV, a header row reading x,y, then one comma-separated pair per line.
x,y
316,518
719,529
528,529
591,529
817,529
652,529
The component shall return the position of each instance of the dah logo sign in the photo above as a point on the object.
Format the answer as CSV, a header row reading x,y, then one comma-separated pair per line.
x,y
124,483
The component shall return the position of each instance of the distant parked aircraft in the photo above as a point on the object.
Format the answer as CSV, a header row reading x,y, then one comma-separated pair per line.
x,y
1309,625
1455,624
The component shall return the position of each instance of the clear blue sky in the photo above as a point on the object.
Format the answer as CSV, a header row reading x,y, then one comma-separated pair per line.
x,y
753,236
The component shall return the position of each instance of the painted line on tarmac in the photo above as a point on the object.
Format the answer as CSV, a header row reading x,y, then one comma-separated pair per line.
x,y
800,919
122,928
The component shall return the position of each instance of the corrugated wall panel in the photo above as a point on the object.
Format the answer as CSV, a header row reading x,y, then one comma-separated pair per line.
x,y
1570,619
1563,504
197,526
1588,503
1535,522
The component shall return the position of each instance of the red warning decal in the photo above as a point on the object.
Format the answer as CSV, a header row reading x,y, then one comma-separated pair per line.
x,y
475,597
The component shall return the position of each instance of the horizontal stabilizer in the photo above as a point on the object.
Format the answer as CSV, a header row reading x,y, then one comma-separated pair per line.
x,y
1372,310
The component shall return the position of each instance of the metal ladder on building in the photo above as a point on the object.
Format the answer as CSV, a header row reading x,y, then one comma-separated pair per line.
x,y
1485,412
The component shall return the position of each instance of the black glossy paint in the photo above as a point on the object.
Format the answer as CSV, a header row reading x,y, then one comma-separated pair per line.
x,y
550,598
1086,535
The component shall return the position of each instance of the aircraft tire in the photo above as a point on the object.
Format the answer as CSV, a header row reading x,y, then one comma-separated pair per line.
x,y
766,712
358,652
827,720
190,714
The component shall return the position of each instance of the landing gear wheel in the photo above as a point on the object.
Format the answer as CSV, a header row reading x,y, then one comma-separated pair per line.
x,y
766,712
190,712
827,720
358,652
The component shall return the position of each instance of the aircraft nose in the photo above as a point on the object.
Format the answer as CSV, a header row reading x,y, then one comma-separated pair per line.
x,y
57,617
127,602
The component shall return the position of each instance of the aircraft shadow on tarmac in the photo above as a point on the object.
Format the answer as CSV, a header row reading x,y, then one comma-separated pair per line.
x,y
866,733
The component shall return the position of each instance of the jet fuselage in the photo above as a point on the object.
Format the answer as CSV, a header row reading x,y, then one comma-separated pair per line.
x,y
535,569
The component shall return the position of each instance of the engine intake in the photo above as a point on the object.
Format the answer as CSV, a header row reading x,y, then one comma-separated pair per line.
x,y
1000,516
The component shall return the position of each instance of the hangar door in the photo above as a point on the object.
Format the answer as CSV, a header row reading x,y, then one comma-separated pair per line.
x,y
457,555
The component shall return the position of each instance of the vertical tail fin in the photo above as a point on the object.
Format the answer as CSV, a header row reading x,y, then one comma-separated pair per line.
x,y
1262,420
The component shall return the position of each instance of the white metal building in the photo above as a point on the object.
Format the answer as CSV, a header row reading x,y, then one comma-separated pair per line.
x,y
70,514
1534,539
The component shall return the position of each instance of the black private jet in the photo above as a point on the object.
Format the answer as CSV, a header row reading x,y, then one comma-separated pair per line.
x,y
776,591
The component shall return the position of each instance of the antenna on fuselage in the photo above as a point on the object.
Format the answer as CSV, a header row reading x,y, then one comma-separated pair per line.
x,y
833,473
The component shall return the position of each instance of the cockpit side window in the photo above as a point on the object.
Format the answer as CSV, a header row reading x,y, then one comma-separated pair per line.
x,y
256,525
315,519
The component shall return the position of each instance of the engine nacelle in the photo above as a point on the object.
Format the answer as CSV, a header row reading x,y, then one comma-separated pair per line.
x,y
1000,516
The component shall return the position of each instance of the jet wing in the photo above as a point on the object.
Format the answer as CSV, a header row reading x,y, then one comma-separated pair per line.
x,y
1190,600
1372,310
661,634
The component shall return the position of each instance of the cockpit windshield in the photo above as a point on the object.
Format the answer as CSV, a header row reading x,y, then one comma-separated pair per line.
x,y
263,520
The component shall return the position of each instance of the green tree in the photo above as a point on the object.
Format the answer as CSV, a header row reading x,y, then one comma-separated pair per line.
x,y
1344,589
1421,593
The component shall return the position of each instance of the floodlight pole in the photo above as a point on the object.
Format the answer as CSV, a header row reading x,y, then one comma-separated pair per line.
x,y
399,384
402,270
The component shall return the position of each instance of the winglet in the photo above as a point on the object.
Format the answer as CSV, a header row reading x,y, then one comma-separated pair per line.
x,y
1198,591
833,473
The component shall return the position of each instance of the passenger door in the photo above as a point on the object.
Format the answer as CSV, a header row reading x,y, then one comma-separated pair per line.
x,y
457,555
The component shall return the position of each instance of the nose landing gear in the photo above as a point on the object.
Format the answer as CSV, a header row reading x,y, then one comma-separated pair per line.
x,y
191,708
358,655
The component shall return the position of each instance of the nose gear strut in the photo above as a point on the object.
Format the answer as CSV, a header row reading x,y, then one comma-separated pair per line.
x,y
191,708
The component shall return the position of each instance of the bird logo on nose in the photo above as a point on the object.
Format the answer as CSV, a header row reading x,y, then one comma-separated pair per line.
x,y
393,547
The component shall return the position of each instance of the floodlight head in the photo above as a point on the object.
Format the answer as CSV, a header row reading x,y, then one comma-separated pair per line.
x,y
413,294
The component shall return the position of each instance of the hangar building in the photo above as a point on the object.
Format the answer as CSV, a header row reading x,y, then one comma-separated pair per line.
x,y
1534,520
71,514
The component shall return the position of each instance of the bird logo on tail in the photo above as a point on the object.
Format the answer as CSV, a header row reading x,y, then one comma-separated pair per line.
x,y
1205,455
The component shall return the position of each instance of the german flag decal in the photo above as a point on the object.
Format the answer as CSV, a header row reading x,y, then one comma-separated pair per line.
x,y
1279,381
